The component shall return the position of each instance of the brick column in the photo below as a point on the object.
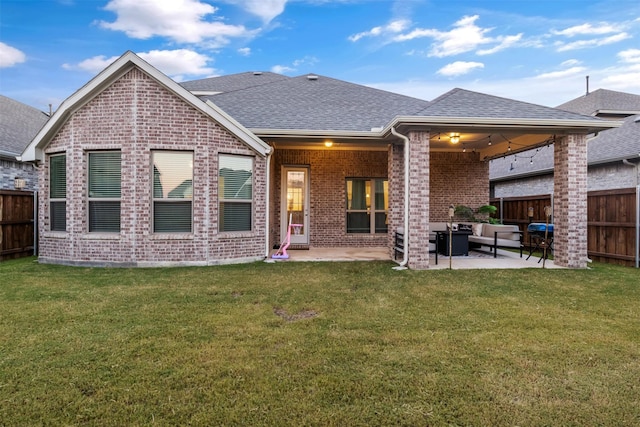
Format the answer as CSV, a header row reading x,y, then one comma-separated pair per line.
x,y
570,201
418,200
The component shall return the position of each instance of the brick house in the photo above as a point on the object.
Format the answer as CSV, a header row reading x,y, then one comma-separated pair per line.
x,y
18,125
139,170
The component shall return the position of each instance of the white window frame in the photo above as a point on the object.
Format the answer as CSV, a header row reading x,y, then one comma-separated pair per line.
x,y
53,200
91,199
169,200
371,211
222,200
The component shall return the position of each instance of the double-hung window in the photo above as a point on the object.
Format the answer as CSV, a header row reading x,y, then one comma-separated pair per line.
x,y
58,192
367,205
172,191
235,193
104,191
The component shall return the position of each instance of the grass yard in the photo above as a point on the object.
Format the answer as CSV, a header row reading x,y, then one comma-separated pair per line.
x,y
340,344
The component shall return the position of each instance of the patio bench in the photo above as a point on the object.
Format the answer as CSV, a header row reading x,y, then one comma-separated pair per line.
x,y
496,236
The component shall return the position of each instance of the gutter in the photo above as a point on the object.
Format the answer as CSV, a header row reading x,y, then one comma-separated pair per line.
x,y
405,259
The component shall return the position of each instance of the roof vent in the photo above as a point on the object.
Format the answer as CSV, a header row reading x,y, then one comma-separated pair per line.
x,y
312,77
257,73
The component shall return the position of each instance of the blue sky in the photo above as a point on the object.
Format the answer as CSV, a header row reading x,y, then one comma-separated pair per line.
x,y
534,51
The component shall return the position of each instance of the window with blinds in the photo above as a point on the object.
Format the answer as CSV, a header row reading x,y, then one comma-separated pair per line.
x,y
58,192
104,191
172,191
235,193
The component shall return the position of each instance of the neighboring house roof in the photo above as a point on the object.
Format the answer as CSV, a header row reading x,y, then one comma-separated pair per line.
x,y
609,145
313,102
34,151
465,103
603,101
232,82
19,123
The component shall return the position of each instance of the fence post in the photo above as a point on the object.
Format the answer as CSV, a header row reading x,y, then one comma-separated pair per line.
x,y
35,222
637,226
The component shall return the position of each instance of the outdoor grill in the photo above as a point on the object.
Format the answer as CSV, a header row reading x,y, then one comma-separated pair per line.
x,y
542,234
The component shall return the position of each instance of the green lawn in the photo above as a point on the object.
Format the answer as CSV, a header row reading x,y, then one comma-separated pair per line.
x,y
340,344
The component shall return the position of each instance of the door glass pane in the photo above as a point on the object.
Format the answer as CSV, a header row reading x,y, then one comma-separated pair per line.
x,y
296,198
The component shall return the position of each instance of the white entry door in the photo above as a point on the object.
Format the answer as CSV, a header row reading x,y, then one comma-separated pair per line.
x,y
295,203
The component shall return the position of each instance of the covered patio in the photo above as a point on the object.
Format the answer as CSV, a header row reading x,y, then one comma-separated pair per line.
x,y
477,259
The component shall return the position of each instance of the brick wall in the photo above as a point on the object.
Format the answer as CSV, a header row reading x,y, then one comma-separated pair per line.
x,y
328,170
9,170
457,179
137,115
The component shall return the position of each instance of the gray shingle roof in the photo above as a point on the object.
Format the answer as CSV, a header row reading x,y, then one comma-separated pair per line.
x,y
315,104
233,82
19,123
602,99
465,103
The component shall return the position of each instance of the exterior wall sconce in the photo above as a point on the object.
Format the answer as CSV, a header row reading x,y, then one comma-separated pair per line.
x,y
530,214
328,143
454,137
19,183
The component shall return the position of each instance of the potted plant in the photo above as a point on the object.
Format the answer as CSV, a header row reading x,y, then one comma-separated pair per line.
x,y
480,214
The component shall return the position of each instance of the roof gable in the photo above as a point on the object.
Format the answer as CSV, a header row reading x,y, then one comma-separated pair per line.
x,y
19,123
34,151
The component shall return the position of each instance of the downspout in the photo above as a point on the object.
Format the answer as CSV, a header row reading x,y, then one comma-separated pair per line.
x,y
405,259
267,248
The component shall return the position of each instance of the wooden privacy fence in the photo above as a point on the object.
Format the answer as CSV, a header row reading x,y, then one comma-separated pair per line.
x,y
612,218
16,224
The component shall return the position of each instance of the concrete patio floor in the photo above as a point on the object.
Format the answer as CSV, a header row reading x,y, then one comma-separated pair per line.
x,y
476,259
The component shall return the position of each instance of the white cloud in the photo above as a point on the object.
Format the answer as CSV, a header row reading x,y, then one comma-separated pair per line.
x,y
570,62
505,43
587,29
392,27
459,68
245,51
282,69
560,74
307,60
583,44
264,9
10,56
180,20
174,63
464,37
92,65
630,55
